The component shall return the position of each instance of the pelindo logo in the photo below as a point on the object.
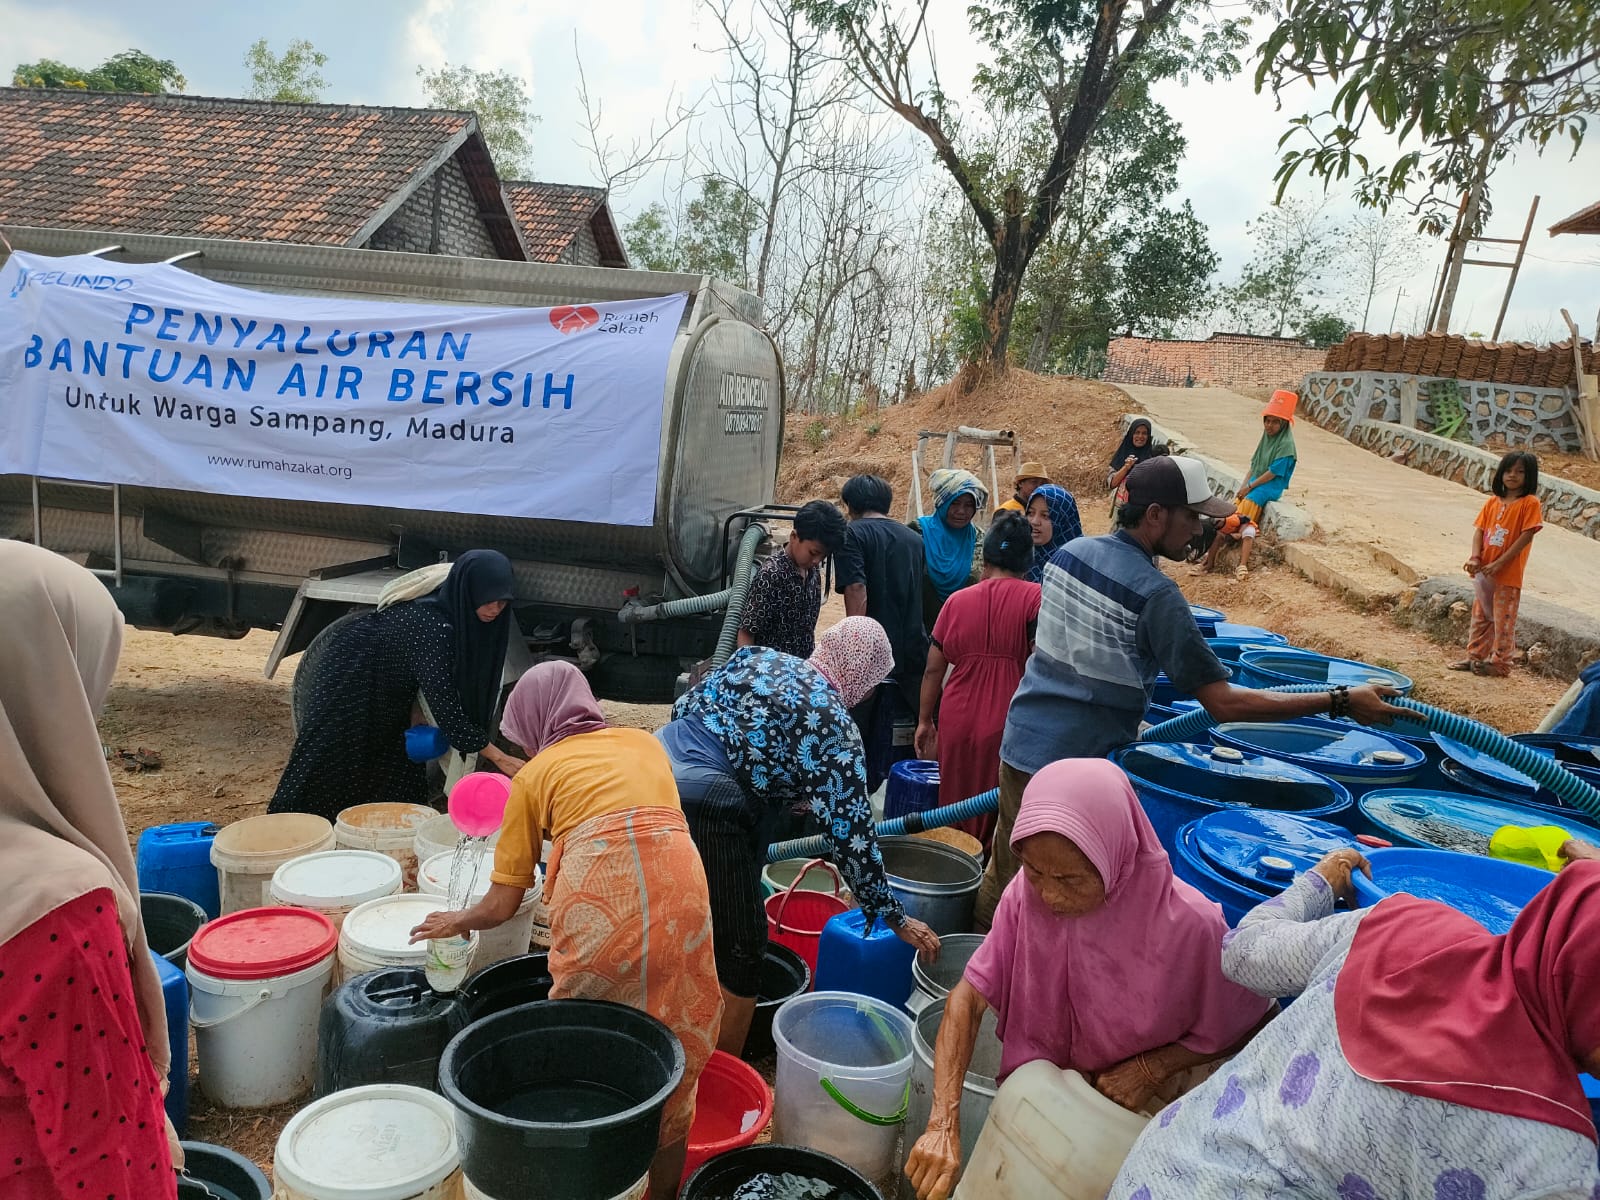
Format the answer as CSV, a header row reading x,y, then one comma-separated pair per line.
x,y
89,283
574,319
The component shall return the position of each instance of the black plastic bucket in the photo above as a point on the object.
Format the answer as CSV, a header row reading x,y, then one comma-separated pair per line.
x,y
560,1098
725,1174
508,983
170,922
214,1173
784,975
385,1026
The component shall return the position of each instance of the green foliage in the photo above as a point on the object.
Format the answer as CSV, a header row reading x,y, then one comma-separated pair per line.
x,y
293,77
712,235
501,103
1285,280
1325,329
1165,277
130,71
872,428
1455,83
817,434
652,244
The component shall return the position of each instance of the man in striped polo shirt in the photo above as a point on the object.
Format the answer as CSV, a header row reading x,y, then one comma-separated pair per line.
x,y
1109,622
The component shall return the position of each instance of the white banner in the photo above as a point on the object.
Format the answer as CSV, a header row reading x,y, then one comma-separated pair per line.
x,y
148,374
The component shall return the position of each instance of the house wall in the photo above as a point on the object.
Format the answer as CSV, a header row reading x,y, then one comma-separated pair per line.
x,y
1221,361
461,228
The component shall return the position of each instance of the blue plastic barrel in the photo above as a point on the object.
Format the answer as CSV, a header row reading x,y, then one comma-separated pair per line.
x,y
1359,758
1240,857
1228,631
1179,782
177,859
1168,695
877,964
1207,618
1491,891
1470,770
175,999
913,787
1275,668
1454,821
1570,749
1229,649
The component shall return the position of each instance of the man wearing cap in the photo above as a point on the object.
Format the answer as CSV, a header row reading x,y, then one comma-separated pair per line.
x,y
1109,621
1029,477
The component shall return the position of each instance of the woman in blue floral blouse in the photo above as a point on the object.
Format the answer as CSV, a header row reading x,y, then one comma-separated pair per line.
x,y
764,732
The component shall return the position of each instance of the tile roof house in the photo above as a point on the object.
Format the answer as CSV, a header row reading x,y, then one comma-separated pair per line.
x,y
566,223
1585,220
420,180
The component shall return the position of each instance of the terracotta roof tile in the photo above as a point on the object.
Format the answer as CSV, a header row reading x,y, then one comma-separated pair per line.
x,y
314,173
551,214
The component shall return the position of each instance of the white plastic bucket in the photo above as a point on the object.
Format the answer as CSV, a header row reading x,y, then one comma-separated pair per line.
x,y
377,934
256,983
844,1070
504,941
247,853
335,881
387,827
380,1142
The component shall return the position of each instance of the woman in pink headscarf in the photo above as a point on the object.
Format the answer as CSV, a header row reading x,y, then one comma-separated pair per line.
x,y
630,913
1099,960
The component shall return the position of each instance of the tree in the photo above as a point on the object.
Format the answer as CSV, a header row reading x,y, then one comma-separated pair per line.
x,y
1166,277
1382,250
130,71
293,77
1062,61
711,236
501,103
1456,83
652,243
1325,329
1295,246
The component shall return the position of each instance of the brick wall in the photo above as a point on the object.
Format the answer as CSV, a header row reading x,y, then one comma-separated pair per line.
x,y
461,228
1224,360
582,251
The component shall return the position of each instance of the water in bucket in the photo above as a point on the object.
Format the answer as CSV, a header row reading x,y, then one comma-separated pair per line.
x,y
450,959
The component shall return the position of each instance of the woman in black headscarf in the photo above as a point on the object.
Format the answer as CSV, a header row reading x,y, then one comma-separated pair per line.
x,y
1137,445
350,746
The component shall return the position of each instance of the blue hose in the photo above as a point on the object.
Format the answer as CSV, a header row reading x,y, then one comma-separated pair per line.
x,y
1540,767
934,818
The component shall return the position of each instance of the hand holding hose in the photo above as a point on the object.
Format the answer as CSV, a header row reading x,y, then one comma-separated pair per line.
x,y
1369,705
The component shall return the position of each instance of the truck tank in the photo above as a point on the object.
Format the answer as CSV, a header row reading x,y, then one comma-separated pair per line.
x,y
195,562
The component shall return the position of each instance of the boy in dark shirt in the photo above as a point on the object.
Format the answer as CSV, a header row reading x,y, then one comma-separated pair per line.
x,y
785,597
879,573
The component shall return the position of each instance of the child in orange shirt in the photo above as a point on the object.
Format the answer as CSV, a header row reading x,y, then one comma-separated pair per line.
x,y
1501,538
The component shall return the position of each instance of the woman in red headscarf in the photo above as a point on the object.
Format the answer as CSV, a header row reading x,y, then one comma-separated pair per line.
x,y
630,917
1425,1057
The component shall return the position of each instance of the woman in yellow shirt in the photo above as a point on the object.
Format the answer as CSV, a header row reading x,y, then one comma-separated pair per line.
x,y
623,858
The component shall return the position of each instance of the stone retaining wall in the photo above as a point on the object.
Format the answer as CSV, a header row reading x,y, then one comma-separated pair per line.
x,y
1568,504
1538,418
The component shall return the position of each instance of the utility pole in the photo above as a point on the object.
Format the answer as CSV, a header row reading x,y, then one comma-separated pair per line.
x,y
1396,311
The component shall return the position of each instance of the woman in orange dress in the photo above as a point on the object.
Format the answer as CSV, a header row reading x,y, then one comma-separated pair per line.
x,y
985,632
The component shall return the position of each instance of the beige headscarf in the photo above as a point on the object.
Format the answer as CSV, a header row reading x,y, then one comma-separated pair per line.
x,y
61,831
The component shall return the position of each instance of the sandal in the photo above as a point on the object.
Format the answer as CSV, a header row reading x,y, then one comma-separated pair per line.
x,y
1241,573
1465,664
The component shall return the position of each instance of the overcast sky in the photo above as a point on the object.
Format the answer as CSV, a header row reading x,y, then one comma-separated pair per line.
x,y
638,55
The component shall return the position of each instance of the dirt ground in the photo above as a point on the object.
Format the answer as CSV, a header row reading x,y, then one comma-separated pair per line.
x,y
223,731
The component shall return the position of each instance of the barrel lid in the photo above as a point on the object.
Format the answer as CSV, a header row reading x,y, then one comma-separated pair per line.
x,y
1455,821
384,925
433,876
1202,613
1305,666
1228,631
1192,756
260,943
378,1142
336,878
1325,746
1491,891
1488,766
1265,849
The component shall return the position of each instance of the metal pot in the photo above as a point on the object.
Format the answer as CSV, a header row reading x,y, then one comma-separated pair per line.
x,y
937,884
936,980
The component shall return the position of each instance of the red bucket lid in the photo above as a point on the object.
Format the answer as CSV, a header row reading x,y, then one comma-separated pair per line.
x,y
259,943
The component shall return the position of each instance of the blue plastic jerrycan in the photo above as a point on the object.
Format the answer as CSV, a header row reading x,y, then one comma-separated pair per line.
x,y
850,959
177,859
175,998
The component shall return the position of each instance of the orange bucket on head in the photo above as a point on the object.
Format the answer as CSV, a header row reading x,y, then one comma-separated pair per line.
x,y
1281,405
795,918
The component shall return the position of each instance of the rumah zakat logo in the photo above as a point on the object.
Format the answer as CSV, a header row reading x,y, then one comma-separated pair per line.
x,y
570,318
